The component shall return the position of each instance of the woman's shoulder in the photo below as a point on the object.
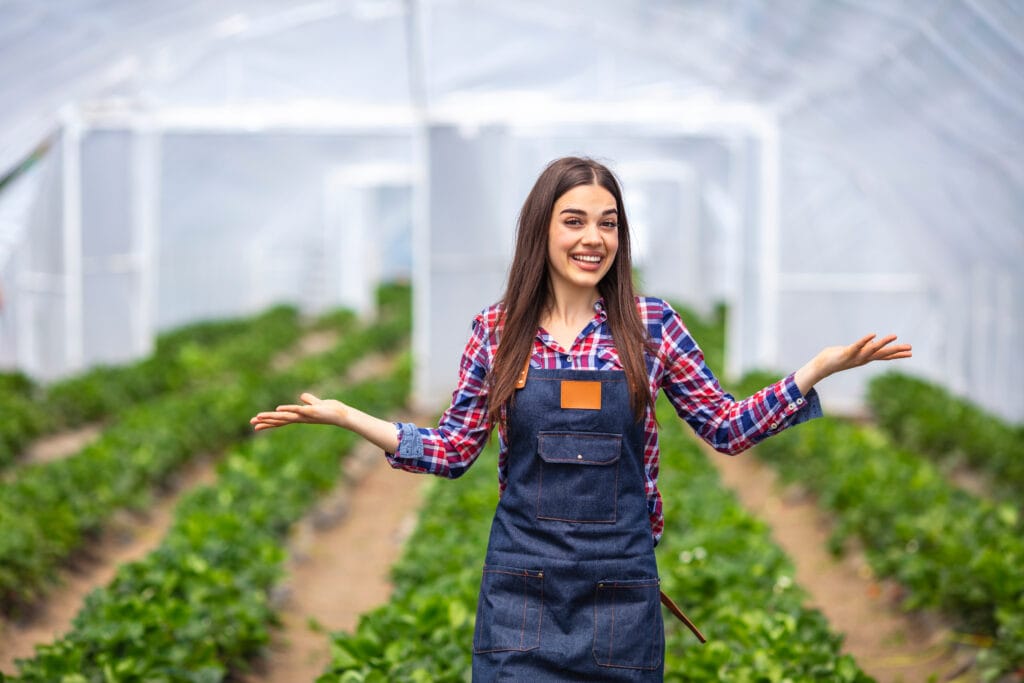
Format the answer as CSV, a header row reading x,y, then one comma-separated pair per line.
x,y
489,319
654,310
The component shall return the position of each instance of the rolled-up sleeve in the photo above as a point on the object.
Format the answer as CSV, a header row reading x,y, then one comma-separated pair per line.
x,y
728,425
463,429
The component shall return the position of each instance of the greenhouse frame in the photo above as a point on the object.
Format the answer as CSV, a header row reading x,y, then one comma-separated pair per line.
x,y
825,168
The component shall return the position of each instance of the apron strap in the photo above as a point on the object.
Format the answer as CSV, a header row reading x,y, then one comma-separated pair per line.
x,y
521,380
674,609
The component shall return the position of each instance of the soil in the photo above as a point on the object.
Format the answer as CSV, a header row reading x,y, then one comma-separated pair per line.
x,y
341,553
889,644
129,537
340,557
60,445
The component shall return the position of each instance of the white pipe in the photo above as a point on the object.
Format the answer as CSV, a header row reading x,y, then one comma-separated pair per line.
x,y
768,206
71,190
146,228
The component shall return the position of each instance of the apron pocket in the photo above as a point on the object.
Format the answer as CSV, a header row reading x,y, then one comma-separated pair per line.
x,y
579,476
628,630
509,609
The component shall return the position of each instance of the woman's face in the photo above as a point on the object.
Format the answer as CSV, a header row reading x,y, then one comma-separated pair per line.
x,y
583,238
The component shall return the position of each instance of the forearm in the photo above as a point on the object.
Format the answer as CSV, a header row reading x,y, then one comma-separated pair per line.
x,y
810,374
375,430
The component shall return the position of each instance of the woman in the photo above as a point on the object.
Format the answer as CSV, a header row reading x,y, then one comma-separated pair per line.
x,y
567,366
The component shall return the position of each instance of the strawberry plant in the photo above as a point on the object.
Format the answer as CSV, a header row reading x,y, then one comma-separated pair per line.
x,y
924,417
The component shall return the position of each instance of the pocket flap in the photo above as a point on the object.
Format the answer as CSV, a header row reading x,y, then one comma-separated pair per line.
x,y
580,448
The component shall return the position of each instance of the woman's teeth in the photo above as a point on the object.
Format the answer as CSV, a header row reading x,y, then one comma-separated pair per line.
x,y
587,259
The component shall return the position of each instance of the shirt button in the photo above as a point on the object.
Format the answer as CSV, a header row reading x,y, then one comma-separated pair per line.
x,y
791,406
799,401
773,426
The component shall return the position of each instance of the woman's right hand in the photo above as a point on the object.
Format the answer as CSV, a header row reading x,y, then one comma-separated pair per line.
x,y
312,411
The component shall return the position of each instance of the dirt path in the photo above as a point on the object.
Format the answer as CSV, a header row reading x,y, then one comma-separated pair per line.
x,y
888,644
61,445
341,555
127,538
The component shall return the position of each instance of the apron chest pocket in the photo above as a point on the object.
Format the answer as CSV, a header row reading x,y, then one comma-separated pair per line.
x,y
579,476
628,629
508,613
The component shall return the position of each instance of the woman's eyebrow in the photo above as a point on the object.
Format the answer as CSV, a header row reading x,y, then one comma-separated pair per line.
x,y
581,212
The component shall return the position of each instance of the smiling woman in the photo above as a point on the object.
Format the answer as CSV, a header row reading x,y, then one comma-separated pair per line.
x,y
567,366
584,238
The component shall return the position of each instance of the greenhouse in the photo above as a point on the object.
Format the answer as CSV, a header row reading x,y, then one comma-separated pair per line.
x,y
189,190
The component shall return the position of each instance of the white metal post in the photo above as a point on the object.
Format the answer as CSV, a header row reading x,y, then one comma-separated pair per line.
x,y
768,208
71,217
146,150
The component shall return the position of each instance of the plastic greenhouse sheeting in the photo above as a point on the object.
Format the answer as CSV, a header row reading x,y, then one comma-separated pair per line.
x,y
828,168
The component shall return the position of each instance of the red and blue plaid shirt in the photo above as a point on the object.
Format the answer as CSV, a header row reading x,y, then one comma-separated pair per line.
x,y
730,426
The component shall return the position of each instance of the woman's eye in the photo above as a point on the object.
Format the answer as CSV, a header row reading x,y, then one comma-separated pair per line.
x,y
611,225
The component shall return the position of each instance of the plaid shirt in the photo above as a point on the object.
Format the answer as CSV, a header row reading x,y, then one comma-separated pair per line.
x,y
730,426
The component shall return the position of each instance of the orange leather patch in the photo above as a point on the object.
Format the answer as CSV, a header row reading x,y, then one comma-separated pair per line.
x,y
581,395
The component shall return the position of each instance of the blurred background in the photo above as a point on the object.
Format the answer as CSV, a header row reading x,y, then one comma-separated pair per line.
x,y
825,169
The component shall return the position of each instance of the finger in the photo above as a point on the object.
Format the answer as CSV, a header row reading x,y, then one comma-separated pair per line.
x,y
885,341
885,350
893,355
277,423
290,408
286,416
309,398
858,345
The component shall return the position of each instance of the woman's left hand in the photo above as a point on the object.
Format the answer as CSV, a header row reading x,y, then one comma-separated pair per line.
x,y
833,359
863,351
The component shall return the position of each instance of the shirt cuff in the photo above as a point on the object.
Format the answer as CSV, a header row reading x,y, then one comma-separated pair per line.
x,y
410,445
797,407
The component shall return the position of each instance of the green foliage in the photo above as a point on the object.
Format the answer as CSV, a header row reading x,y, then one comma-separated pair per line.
x,y
24,419
924,417
197,354
49,509
190,356
949,549
716,560
197,609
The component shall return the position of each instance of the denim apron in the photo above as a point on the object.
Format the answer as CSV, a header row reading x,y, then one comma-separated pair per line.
x,y
570,588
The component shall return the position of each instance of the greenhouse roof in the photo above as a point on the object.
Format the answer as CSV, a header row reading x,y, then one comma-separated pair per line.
x,y
889,121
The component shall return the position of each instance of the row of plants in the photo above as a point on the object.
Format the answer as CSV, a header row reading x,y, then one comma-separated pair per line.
x,y
715,559
197,609
50,509
924,417
187,356
948,549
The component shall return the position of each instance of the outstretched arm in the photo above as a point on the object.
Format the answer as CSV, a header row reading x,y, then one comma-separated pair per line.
x,y
833,359
330,412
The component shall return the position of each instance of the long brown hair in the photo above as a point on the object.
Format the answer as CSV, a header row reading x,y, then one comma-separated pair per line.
x,y
529,291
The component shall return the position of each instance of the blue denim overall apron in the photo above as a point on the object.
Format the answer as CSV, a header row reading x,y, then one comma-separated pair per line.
x,y
570,588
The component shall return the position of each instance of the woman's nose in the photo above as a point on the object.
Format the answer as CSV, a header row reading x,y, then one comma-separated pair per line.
x,y
591,234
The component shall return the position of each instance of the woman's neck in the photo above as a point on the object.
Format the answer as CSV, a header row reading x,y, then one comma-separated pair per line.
x,y
571,308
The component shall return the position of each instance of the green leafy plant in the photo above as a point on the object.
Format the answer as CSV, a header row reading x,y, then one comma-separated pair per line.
x,y
949,549
924,417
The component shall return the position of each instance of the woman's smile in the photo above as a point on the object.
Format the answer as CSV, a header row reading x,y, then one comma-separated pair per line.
x,y
583,237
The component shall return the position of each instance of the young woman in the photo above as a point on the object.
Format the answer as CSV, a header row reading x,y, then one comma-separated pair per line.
x,y
567,366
